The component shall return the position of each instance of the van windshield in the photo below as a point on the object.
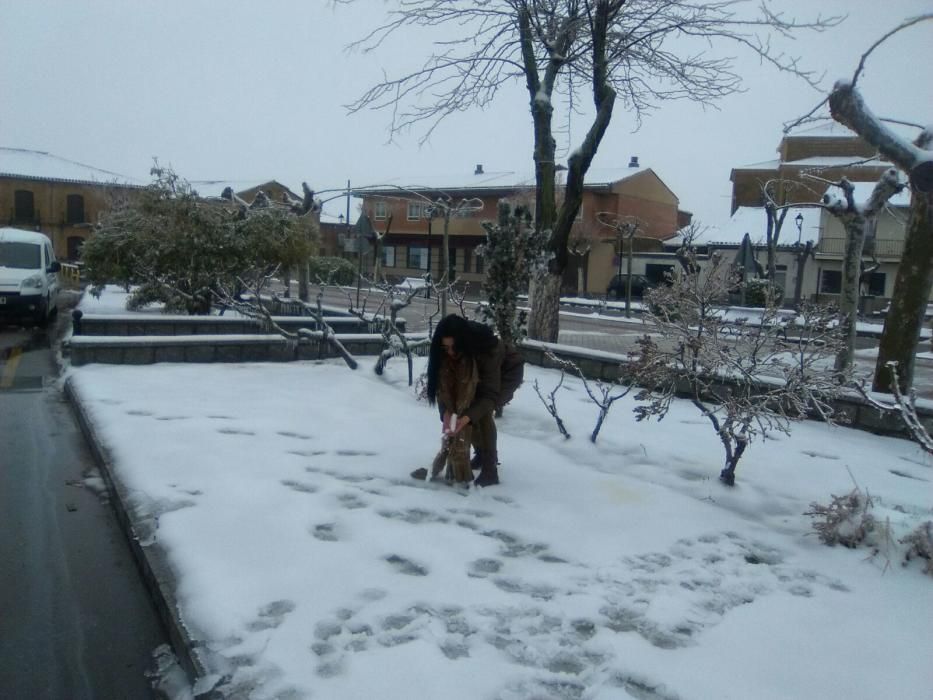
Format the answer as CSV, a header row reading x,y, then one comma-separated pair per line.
x,y
23,256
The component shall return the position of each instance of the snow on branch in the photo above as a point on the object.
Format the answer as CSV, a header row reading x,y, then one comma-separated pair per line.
x,y
550,404
601,395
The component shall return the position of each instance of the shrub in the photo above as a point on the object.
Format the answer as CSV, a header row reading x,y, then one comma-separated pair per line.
x,y
174,247
328,270
846,520
761,293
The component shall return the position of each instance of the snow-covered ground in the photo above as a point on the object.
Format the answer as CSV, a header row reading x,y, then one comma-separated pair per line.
x,y
313,566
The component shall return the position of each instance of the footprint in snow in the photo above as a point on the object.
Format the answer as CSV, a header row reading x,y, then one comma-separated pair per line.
x,y
297,436
406,566
821,455
299,486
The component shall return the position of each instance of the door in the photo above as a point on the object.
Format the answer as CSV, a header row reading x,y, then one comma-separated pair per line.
x,y
51,276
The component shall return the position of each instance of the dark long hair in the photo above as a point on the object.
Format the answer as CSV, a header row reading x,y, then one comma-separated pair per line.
x,y
470,339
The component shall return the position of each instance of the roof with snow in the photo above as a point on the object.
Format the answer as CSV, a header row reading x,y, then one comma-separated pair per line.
x,y
754,222
763,165
838,162
822,130
495,180
215,188
39,165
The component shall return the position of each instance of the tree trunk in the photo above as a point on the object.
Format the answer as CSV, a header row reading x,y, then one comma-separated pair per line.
x,y
545,305
303,279
543,322
909,301
802,255
445,257
848,299
912,284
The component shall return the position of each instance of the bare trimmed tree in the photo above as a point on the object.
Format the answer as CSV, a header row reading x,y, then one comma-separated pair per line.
x,y
859,220
748,378
642,52
914,279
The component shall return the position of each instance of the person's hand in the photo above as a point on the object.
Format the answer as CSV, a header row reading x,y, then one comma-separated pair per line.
x,y
462,422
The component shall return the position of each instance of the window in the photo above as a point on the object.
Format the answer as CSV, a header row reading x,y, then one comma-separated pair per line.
x,y
414,211
452,269
388,255
379,209
21,256
780,277
466,259
479,264
830,281
418,257
75,209
24,208
875,286
74,244
659,274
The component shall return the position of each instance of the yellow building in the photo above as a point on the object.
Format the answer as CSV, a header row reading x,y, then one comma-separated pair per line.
x,y
61,198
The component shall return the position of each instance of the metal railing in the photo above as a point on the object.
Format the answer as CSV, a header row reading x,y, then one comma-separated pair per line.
x,y
71,274
884,248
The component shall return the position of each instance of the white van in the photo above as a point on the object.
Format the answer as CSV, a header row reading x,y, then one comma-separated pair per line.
x,y
28,275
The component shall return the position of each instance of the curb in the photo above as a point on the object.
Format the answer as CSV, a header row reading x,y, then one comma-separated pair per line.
x,y
151,560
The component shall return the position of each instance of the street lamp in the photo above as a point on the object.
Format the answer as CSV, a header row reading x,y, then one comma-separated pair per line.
x,y
799,221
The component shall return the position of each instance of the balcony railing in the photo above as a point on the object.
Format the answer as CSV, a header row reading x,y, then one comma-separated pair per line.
x,y
884,248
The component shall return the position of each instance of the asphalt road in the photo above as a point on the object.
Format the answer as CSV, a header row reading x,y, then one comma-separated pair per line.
x,y
423,312
75,619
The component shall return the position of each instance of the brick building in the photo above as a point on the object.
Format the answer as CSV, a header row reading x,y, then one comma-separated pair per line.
x,y
61,198
412,246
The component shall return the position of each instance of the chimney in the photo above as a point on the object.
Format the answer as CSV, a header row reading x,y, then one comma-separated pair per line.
x,y
633,163
479,169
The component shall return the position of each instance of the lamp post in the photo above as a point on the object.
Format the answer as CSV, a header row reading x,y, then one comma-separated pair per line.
x,y
802,252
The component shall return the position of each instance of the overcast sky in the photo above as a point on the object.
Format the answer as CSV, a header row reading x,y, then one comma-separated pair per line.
x,y
252,91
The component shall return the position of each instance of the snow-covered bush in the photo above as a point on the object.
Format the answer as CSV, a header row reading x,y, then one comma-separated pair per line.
x,y
920,544
175,247
761,293
332,270
747,377
846,520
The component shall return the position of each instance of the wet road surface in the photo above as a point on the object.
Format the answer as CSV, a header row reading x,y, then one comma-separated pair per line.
x,y
75,619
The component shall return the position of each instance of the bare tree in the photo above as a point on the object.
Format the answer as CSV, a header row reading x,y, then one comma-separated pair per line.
x,y
391,302
641,52
914,279
625,228
601,394
859,220
550,404
747,378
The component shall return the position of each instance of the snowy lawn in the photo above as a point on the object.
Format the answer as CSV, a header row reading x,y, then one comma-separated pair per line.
x,y
313,566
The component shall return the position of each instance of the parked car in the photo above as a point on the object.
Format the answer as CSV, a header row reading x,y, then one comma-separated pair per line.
x,y
616,289
28,275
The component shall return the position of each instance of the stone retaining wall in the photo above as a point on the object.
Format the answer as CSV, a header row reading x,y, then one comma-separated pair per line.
x,y
144,350
163,324
609,367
